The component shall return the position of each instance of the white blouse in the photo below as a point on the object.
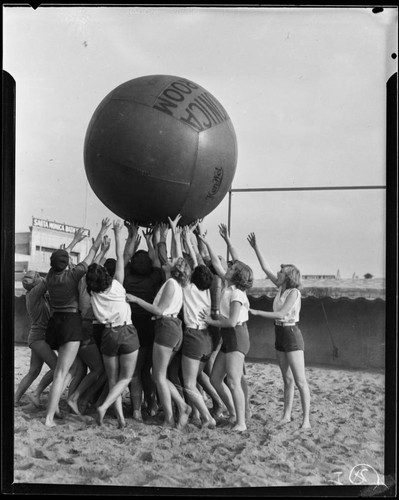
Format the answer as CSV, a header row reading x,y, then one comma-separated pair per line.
x,y
176,303
194,301
233,294
111,306
279,300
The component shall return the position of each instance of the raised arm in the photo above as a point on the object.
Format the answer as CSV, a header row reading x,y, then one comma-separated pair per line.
x,y
105,246
77,238
148,235
120,267
162,249
105,224
156,236
225,235
176,242
131,241
189,245
202,249
262,261
214,258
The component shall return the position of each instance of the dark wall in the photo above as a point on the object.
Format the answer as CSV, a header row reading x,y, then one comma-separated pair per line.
x,y
337,332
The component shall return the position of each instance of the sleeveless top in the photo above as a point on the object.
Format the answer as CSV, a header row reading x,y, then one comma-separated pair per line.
x,y
194,301
176,301
279,300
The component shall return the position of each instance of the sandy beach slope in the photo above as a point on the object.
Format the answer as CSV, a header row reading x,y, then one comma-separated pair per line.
x,y
347,417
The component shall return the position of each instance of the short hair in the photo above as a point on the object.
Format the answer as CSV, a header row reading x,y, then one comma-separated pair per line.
x,y
181,271
202,277
293,276
242,277
97,279
110,266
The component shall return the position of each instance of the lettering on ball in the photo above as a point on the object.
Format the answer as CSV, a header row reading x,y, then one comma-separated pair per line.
x,y
217,181
188,103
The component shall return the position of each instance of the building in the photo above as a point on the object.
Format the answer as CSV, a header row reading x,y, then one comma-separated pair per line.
x,y
34,247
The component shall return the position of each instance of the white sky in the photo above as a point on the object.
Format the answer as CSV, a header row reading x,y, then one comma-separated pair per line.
x,y
304,88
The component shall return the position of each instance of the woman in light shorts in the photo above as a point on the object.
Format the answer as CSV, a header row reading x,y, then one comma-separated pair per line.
x,y
289,341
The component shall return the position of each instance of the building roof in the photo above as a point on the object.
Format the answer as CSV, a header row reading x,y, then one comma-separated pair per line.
x,y
369,289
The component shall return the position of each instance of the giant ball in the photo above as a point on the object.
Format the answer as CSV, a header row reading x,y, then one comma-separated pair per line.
x,y
160,145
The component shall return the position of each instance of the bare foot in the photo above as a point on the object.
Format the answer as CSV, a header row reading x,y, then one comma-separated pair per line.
x,y
169,423
100,416
58,415
73,405
285,420
306,425
209,424
184,415
232,419
121,424
50,422
34,399
137,415
239,428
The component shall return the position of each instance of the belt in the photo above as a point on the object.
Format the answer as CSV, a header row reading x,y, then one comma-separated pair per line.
x,y
113,325
281,323
164,316
67,310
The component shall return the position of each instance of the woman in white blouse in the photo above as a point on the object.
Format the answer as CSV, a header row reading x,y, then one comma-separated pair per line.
x,y
289,341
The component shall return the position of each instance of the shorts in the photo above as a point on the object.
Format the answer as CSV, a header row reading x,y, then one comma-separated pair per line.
x,y
119,340
87,327
145,330
216,336
64,327
36,335
197,344
289,338
235,339
98,329
168,332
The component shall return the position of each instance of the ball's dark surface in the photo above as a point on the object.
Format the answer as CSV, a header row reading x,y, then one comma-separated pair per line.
x,y
158,146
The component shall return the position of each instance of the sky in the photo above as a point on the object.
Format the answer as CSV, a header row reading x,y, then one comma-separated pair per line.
x,y
305,89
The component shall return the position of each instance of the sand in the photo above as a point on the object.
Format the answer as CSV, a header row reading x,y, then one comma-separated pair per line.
x,y
347,418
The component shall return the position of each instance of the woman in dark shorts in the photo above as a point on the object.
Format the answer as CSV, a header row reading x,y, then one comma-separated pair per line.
x,y
289,341
38,309
168,331
119,341
233,319
64,330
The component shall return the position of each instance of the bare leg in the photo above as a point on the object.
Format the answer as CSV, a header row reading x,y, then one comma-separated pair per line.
x,y
244,386
234,368
91,356
136,386
289,386
217,380
66,356
78,373
205,383
161,358
35,368
121,369
190,373
297,363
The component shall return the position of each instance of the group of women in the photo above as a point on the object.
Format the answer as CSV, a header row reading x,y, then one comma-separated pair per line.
x,y
169,326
